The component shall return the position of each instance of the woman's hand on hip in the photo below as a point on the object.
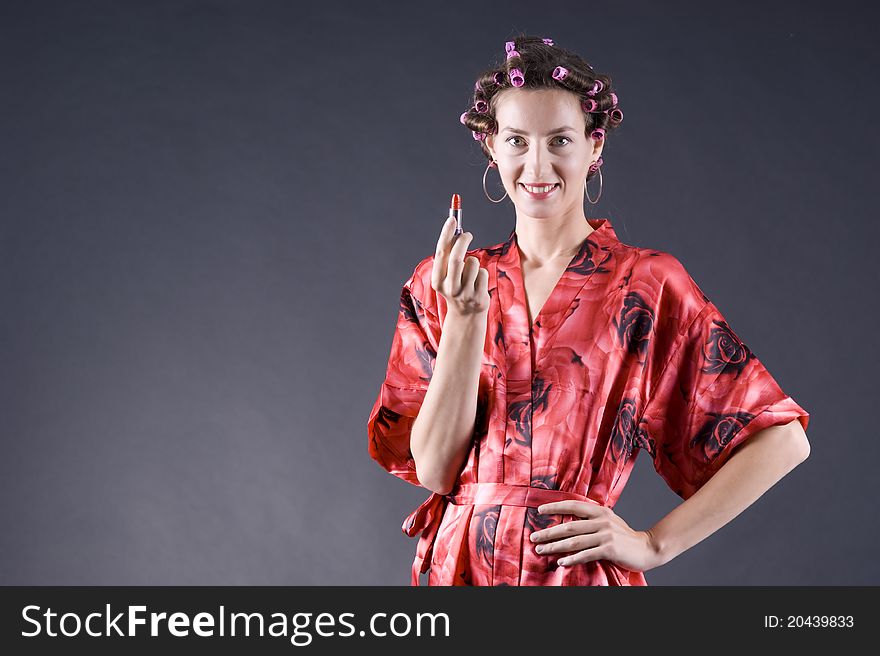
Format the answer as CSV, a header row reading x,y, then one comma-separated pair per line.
x,y
599,535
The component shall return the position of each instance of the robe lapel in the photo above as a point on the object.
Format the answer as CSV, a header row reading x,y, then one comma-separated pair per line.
x,y
513,316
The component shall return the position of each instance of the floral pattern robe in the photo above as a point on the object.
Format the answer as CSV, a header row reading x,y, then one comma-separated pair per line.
x,y
626,355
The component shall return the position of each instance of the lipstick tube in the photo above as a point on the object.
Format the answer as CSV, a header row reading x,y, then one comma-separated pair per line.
x,y
455,212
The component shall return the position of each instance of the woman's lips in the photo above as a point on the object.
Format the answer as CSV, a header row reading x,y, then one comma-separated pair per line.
x,y
546,194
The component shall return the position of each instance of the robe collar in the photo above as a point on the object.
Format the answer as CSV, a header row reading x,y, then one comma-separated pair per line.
x,y
513,328
593,253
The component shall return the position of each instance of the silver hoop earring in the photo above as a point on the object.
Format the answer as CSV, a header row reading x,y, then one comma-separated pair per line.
x,y
484,184
595,166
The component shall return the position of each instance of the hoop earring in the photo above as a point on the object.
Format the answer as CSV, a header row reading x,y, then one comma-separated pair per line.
x,y
595,166
491,165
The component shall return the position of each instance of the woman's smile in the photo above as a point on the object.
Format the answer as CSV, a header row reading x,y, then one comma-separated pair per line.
x,y
539,193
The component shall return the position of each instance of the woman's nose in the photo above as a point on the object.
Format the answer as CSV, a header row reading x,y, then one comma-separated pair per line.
x,y
538,159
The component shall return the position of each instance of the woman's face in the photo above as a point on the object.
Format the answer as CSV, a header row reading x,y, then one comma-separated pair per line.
x,y
529,149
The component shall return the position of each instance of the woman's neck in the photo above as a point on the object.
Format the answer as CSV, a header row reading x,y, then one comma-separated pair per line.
x,y
546,240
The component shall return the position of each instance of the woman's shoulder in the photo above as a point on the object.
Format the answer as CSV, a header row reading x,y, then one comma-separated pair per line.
x,y
668,270
672,293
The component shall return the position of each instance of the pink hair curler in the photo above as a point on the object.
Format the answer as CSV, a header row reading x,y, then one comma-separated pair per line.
x,y
559,73
499,78
597,87
481,106
479,136
512,53
549,42
598,133
516,77
510,45
463,117
589,105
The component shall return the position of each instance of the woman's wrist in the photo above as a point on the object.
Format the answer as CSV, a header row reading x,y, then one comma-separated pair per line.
x,y
469,321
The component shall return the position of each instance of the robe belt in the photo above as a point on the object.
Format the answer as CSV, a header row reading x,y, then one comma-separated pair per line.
x,y
427,517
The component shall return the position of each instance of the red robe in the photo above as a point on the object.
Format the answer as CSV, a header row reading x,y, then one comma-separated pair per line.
x,y
626,355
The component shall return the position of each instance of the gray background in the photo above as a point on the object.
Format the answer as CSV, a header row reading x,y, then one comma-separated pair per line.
x,y
208,209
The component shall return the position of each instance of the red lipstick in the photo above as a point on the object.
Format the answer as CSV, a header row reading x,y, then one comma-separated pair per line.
x,y
455,212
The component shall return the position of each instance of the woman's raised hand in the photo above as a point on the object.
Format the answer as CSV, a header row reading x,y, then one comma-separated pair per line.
x,y
459,279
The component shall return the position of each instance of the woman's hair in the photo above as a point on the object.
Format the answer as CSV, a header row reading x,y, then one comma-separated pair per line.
x,y
537,63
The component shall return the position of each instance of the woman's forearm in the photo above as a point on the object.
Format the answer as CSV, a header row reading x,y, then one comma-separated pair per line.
x,y
441,434
752,469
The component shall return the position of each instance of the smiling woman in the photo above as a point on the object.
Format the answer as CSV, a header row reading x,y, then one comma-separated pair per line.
x,y
586,351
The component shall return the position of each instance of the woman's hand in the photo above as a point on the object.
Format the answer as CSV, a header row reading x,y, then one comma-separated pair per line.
x,y
461,281
601,535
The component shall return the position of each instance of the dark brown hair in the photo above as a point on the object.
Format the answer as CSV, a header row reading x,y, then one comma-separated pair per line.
x,y
537,58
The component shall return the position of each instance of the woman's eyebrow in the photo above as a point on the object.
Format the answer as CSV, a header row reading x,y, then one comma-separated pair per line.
x,y
562,129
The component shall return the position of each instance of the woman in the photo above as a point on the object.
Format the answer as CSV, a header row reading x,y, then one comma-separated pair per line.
x,y
524,378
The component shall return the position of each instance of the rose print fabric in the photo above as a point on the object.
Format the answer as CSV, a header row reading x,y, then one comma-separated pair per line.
x,y
626,355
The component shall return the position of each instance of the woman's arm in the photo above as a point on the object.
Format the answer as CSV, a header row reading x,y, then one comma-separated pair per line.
x,y
752,469
441,434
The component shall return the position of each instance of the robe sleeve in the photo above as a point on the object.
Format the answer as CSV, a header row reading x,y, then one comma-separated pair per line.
x,y
410,367
711,395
